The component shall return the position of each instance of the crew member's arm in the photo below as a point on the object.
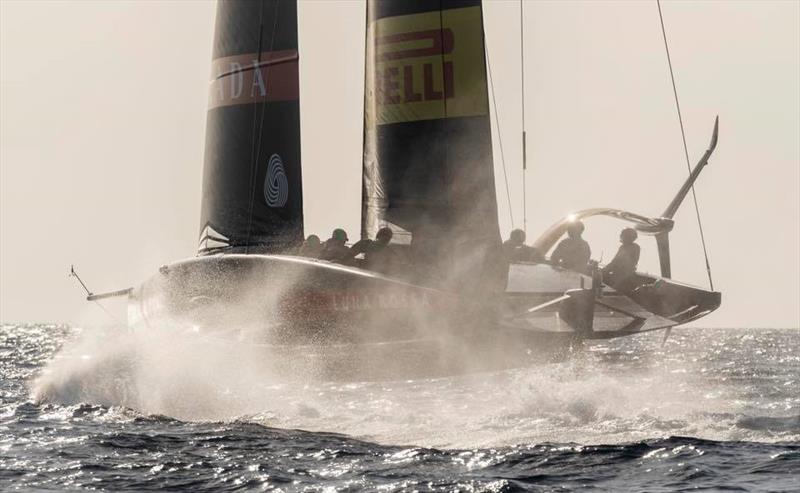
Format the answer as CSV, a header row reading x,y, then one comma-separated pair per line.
x,y
360,246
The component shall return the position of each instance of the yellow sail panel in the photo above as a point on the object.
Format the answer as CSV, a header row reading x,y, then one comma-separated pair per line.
x,y
427,66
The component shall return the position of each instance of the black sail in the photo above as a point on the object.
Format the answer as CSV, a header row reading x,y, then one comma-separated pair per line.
x,y
428,172
252,184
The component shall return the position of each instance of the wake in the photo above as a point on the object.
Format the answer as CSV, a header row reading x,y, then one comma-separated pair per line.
x,y
597,396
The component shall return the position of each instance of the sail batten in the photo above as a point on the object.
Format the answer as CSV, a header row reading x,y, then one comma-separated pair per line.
x,y
252,182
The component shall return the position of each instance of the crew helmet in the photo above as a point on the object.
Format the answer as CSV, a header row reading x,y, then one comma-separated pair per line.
x,y
517,236
312,240
339,235
628,235
575,228
384,235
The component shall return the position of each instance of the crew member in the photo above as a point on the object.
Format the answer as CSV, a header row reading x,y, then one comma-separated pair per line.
x,y
573,252
377,254
515,249
335,249
619,273
312,247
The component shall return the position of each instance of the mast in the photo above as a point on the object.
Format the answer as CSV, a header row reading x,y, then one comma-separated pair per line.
x,y
252,183
428,172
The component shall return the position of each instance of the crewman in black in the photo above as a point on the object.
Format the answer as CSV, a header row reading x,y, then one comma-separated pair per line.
x,y
377,254
515,249
619,273
573,252
312,247
335,249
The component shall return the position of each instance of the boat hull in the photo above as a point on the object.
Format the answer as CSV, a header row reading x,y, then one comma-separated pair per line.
x,y
315,317
655,303
345,322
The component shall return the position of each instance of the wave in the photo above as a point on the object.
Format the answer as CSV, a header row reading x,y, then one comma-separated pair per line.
x,y
605,395
776,424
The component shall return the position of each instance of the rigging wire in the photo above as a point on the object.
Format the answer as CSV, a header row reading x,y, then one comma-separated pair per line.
x,y
499,133
685,148
255,152
524,143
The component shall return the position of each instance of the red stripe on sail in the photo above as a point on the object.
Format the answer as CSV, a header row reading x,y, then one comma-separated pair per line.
x,y
249,79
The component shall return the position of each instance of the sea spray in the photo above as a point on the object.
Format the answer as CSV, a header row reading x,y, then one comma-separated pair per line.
x,y
601,394
158,372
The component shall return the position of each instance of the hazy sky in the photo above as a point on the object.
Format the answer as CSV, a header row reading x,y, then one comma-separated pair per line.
x,y
102,116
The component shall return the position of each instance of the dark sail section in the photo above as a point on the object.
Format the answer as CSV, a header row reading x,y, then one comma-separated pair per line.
x,y
428,171
252,184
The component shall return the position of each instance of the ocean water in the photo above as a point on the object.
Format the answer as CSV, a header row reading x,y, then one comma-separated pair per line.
x,y
108,409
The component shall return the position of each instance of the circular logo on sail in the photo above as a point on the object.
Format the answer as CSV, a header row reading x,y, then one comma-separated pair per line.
x,y
276,187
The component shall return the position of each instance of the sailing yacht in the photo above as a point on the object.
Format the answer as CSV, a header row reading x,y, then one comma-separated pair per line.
x,y
427,175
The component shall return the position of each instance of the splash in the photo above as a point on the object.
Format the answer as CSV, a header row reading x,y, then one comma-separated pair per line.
x,y
603,395
155,372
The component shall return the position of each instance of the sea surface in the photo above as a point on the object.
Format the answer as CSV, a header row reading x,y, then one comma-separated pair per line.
x,y
106,409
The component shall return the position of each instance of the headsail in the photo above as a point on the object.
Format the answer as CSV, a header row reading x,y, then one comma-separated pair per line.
x,y
428,170
252,187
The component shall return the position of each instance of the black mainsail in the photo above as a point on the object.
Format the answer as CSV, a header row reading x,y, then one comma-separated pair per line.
x,y
252,186
427,171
